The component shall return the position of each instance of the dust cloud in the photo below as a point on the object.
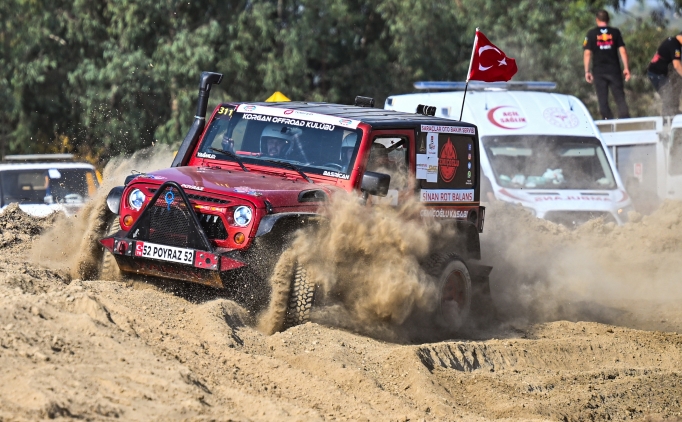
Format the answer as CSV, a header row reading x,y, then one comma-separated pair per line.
x,y
624,275
366,263
72,243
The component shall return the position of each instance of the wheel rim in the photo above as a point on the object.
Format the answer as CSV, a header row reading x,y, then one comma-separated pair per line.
x,y
453,297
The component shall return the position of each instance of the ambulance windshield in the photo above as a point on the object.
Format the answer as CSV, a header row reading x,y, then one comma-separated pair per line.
x,y
549,162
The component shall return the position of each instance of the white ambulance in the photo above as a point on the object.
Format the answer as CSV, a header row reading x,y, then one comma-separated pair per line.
x,y
538,149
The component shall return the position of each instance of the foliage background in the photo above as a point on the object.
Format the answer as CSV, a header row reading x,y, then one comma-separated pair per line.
x,y
105,77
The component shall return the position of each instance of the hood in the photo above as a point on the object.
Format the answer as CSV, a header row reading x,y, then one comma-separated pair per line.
x,y
281,190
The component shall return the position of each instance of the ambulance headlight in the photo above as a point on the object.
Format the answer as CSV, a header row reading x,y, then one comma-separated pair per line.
x,y
242,216
136,199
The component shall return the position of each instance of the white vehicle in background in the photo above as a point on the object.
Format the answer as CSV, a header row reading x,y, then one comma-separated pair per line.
x,y
648,155
539,149
45,183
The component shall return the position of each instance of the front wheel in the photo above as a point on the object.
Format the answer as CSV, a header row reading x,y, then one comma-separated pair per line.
x,y
301,298
108,267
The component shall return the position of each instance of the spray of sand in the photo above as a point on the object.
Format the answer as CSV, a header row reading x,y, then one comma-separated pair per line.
x,y
72,243
367,264
624,275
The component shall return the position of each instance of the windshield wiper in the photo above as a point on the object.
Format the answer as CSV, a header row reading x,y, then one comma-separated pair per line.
x,y
231,155
288,165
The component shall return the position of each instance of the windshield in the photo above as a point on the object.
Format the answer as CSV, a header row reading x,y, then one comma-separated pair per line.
x,y
315,143
556,162
47,186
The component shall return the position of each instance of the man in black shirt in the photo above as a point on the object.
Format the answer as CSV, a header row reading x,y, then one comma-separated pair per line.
x,y
603,44
666,81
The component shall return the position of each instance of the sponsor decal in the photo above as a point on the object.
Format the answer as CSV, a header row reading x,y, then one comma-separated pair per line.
x,y
249,116
449,129
205,155
192,187
432,143
338,175
289,121
427,167
507,117
442,195
592,198
448,162
561,118
154,177
443,213
247,190
275,112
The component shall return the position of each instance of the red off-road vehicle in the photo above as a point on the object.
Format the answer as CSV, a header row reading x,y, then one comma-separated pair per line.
x,y
241,185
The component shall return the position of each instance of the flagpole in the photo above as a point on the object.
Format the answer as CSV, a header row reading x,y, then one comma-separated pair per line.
x,y
466,86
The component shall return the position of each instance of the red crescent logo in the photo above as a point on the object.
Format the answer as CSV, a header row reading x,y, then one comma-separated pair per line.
x,y
507,119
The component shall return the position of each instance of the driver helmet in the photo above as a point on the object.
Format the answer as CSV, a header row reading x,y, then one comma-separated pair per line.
x,y
347,146
378,157
276,139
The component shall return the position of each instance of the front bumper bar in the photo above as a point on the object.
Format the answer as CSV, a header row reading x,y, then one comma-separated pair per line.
x,y
186,254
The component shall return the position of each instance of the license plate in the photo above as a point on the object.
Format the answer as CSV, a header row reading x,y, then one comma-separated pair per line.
x,y
164,253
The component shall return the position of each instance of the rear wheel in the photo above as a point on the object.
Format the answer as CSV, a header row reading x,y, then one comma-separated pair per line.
x,y
109,268
454,286
301,298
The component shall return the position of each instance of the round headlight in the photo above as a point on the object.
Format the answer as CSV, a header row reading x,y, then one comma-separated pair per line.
x,y
242,216
136,199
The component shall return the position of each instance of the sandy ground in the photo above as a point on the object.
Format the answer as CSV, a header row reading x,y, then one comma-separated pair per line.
x,y
587,330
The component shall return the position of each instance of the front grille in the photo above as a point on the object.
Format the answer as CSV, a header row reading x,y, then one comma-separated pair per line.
x,y
200,198
169,224
573,219
213,226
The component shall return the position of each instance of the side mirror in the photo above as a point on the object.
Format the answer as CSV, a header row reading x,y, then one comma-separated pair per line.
x,y
375,183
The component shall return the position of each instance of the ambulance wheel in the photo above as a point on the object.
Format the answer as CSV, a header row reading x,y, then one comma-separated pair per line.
x,y
301,298
109,268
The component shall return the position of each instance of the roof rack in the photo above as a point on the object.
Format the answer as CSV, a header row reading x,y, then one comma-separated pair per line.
x,y
38,157
486,86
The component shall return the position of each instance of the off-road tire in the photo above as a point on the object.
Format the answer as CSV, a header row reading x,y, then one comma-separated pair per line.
x,y
440,266
109,268
301,298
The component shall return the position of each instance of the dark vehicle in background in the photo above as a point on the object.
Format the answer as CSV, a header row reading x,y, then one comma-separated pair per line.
x,y
44,183
243,184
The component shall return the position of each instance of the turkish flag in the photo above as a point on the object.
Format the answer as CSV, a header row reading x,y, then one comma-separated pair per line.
x,y
489,63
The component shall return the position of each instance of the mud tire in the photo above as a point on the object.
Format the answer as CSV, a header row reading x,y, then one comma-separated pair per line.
x,y
109,268
450,272
301,298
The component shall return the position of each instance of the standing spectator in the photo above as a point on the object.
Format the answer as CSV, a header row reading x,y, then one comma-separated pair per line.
x,y
602,45
666,83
